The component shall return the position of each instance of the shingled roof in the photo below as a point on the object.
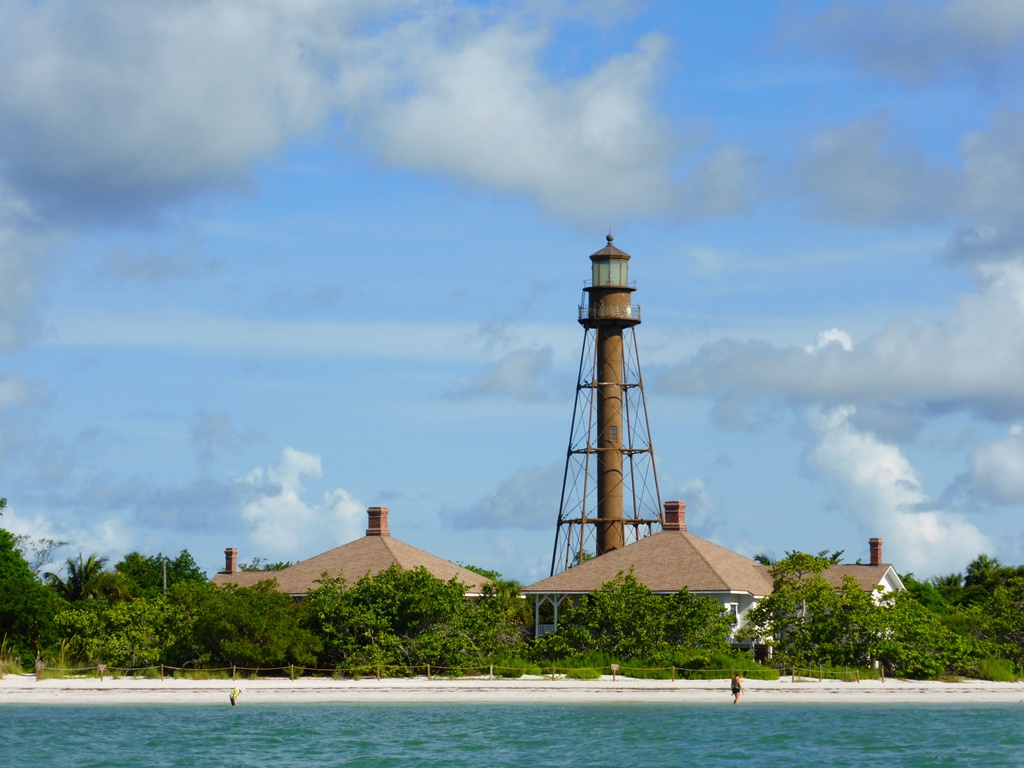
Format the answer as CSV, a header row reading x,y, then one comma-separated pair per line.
x,y
665,562
375,552
674,558
867,576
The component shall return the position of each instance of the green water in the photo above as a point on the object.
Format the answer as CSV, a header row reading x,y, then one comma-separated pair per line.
x,y
522,735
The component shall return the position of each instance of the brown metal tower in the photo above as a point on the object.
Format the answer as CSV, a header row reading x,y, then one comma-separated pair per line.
x,y
610,493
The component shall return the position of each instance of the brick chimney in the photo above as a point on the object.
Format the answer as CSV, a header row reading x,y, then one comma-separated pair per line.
x,y
378,521
675,516
230,560
875,545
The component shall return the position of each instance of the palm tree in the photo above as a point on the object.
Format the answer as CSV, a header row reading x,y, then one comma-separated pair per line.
x,y
983,570
88,579
764,559
949,582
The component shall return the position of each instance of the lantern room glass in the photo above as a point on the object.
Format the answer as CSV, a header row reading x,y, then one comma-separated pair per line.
x,y
610,272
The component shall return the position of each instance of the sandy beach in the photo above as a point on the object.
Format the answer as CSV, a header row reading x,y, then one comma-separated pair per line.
x,y
16,689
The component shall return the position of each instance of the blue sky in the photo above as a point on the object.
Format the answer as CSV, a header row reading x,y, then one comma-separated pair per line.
x,y
265,264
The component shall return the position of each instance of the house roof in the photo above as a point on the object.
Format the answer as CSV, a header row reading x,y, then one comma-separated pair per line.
x,y
665,562
375,552
866,576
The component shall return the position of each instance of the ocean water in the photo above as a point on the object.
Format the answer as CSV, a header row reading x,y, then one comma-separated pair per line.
x,y
520,735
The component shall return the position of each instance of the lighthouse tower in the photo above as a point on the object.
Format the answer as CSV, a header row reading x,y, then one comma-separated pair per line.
x,y
610,493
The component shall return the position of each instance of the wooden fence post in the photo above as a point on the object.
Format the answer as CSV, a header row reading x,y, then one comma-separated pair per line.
x,y
232,671
428,672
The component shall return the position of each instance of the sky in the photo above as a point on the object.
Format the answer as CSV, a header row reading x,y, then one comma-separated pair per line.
x,y
265,264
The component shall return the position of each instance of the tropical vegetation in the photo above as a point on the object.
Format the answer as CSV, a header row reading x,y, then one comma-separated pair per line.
x,y
152,611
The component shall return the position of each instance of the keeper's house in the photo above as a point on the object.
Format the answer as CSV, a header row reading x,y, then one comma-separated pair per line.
x,y
674,558
375,552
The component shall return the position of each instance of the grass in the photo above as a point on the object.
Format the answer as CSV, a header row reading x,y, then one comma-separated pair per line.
x,y
515,667
997,670
202,674
831,672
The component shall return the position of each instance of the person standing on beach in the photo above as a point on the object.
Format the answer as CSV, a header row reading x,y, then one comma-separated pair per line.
x,y
737,689
235,693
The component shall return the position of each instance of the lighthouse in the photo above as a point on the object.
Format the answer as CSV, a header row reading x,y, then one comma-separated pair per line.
x,y
610,493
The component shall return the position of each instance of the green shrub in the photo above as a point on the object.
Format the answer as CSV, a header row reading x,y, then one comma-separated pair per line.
x,y
516,667
202,674
583,673
712,665
997,670
832,672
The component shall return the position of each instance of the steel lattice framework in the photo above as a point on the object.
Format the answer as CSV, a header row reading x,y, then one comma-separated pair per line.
x,y
577,512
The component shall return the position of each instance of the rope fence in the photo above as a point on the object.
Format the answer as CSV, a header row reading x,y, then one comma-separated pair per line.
x,y
430,671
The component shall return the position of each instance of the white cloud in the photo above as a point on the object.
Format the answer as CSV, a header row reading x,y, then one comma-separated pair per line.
x,y
527,499
993,173
428,342
13,391
972,359
866,172
517,375
833,336
23,260
215,432
283,524
481,108
916,41
875,484
120,109
997,470
108,537
861,173
126,104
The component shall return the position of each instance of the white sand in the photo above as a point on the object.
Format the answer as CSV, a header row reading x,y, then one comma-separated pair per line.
x,y
15,689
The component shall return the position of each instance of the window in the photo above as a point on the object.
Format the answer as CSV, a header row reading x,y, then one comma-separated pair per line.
x,y
610,272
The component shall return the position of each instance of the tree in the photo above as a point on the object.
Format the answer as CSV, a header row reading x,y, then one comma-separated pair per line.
x,y
948,586
27,607
38,552
696,622
928,594
999,619
627,621
401,620
983,571
88,579
806,619
260,564
250,627
124,634
917,645
809,621
144,575
506,618
790,617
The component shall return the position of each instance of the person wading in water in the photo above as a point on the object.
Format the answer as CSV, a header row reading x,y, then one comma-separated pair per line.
x,y
737,689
